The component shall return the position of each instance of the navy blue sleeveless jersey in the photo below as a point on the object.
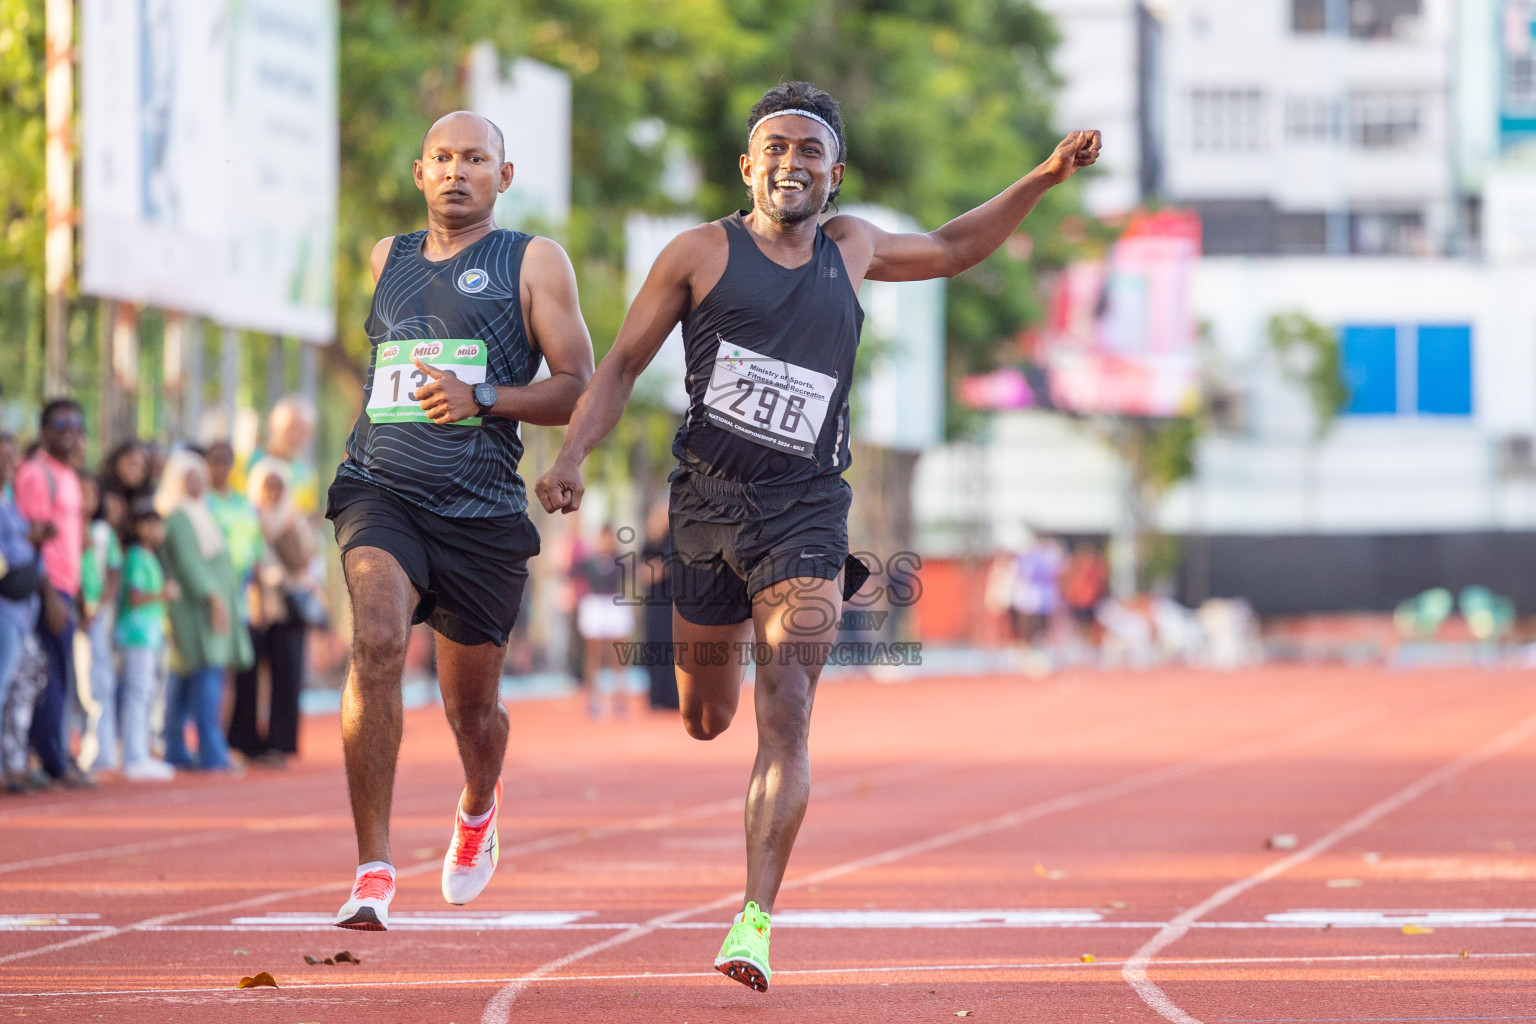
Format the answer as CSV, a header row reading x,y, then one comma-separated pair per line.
x,y
770,360
458,471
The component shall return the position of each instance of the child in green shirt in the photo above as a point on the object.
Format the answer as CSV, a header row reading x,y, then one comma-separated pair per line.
x,y
141,641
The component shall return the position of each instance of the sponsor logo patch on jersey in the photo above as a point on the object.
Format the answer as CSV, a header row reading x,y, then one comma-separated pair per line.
x,y
473,280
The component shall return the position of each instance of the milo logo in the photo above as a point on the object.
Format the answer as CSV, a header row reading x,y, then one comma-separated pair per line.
x,y
467,352
386,354
427,350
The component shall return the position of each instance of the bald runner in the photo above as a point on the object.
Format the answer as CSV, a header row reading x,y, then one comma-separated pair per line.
x,y
429,510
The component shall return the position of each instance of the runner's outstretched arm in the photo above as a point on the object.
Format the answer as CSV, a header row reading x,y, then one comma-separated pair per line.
x,y
661,303
552,316
970,237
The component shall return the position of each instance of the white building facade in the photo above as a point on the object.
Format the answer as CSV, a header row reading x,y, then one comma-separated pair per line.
x,y
1319,140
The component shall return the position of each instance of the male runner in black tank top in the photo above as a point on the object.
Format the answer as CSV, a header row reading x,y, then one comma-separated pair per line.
x,y
767,300
429,510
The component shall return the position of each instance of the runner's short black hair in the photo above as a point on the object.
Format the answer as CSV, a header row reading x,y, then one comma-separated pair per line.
x,y
54,406
803,96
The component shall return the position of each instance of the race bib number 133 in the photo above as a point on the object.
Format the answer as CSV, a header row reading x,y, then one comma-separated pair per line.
x,y
395,377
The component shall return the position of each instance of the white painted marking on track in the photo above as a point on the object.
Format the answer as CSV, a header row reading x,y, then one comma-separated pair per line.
x,y
1135,970
406,920
869,920
930,918
1074,965
1398,918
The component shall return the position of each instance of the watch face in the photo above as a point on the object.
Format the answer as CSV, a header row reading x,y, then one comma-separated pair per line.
x,y
485,394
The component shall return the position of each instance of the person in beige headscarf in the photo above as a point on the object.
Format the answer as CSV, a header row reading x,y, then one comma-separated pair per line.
x,y
204,642
287,601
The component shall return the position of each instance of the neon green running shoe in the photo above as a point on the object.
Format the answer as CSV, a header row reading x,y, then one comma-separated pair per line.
x,y
744,954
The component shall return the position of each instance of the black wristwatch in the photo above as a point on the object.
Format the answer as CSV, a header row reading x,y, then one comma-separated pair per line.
x,y
485,397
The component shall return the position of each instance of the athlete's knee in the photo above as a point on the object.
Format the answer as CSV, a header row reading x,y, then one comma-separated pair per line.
x,y
471,719
705,721
785,722
378,650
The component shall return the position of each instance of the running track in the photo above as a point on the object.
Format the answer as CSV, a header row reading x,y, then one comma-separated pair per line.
x,y
968,842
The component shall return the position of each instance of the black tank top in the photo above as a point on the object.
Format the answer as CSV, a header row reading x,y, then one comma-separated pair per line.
x,y
770,360
452,470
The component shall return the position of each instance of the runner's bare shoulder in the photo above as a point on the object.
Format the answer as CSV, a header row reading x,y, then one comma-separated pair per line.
x,y
380,256
545,262
696,257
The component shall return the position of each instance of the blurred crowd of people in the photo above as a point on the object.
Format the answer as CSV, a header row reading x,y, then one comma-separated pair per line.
x,y
1051,603
165,593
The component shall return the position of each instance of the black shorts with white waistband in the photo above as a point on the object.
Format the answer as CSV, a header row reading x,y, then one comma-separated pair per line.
x,y
734,540
470,572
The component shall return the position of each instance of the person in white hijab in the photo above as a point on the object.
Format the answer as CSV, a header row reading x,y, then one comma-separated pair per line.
x,y
288,604
204,642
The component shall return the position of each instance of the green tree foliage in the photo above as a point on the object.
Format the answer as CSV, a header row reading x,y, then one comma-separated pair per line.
x,y
1308,354
21,172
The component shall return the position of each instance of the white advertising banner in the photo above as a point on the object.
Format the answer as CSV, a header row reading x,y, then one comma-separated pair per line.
x,y
209,160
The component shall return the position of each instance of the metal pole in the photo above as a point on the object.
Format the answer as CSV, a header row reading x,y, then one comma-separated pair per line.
x,y
192,395
172,361
59,175
125,369
277,369
230,378
309,385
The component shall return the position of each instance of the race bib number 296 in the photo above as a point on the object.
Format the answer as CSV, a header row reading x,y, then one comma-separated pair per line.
x,y
396,378
768,401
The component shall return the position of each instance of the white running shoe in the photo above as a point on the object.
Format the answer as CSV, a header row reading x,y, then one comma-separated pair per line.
x,y
368,908
472,855
148,771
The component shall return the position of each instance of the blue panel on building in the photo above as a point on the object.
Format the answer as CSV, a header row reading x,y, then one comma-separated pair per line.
x,y
1369,357
1445,369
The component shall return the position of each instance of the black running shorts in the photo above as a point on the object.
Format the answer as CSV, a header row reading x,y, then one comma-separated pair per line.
x,y
470,572
734,540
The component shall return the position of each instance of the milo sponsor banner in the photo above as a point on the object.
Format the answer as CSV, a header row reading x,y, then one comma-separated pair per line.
x,y
392,394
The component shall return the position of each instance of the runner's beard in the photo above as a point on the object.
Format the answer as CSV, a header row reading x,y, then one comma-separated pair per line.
x,y
762,201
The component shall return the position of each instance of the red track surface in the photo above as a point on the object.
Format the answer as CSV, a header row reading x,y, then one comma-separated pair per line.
x,y
1135,797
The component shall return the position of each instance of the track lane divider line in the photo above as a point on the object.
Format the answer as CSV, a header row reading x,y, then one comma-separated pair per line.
x,y
1135,969
1073,965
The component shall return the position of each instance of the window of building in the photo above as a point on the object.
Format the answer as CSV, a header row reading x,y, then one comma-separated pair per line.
x,y
1301,234
1424,369
1368,19
1387,234
1382,19
1308,16
1227,120
1384,120
1368,355
1311,119
1520,82
1445,370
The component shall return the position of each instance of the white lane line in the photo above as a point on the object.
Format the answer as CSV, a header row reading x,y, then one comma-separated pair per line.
x,y
845,784
498,1010
1135,970
1239,961
323,923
